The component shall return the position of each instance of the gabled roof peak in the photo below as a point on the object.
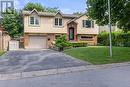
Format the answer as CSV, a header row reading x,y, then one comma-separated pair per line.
x,y
34,10
59,12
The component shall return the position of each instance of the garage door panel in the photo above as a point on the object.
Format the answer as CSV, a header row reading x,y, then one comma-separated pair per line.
x,y
37,42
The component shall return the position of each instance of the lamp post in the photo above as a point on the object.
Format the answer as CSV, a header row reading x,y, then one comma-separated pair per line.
x,y
110,35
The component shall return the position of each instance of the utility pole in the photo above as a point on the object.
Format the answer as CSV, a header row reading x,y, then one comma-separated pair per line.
x,y
110,35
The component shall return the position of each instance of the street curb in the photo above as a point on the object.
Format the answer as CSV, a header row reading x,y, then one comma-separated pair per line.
x,y
23,75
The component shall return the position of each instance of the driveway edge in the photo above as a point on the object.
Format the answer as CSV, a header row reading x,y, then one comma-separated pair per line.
x,y
23,75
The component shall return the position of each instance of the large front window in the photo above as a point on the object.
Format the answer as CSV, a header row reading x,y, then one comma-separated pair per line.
x,y
86,38
58,22
34,20
88,24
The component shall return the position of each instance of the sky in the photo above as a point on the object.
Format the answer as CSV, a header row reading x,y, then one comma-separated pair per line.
x,y
66,6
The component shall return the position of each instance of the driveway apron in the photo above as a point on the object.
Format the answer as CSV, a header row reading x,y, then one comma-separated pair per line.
x,y
36,60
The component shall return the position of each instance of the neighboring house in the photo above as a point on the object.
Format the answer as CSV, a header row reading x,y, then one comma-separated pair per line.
x,y
4,39
106,28
42,28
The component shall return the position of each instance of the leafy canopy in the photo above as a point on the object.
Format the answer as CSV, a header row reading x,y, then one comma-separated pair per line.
x,y
120,12
13,23
30,6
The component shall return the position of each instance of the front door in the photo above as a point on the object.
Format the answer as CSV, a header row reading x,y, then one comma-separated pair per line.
x,y
71,34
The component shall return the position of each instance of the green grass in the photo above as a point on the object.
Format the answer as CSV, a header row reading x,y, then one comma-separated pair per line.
x,y
1,52
100,54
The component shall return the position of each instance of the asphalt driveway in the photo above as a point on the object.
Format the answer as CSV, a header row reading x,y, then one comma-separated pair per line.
x,y
28,60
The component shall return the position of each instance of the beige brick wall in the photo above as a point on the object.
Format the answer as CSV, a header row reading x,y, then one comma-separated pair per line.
x,y
50,40
82,30
46,25
26,40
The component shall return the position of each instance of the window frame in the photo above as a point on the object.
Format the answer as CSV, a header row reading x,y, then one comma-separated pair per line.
x,y
88,38
30,21
71,34
58,24
84,24
35,21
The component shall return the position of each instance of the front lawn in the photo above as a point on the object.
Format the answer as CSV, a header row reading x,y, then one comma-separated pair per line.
x,y
1,53
100,54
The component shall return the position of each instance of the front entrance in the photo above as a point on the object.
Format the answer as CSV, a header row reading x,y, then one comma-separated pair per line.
x,y
71,33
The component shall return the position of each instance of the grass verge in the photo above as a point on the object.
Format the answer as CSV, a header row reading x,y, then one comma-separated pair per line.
x,y
1,52
100,54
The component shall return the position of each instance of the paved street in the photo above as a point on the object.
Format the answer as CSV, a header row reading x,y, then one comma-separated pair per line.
x,y
108,77
30,60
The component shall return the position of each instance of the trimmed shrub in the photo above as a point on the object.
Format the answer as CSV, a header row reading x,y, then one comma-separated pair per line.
x,y
61,42
103,39
79,44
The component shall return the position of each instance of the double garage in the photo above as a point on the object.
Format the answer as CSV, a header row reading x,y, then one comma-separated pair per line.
x,y
36,42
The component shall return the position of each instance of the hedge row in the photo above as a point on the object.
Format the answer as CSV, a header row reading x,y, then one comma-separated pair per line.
x,y
78,44
118,39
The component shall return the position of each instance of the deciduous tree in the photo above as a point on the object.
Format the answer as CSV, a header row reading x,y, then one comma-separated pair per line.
x,y
98,10
30,6
13,23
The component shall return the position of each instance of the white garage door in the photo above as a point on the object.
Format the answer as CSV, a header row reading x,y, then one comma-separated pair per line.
x,y
38,42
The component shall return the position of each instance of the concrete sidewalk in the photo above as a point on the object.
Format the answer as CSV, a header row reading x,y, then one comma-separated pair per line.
x,y
49,72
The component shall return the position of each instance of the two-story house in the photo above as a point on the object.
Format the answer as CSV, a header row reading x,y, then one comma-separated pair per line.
x,y
42,28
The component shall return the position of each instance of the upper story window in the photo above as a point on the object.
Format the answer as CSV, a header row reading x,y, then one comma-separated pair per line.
x,y
58,22
34,20
88,24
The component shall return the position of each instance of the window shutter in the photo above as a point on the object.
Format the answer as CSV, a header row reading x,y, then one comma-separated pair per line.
x,y
84,23
92,24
